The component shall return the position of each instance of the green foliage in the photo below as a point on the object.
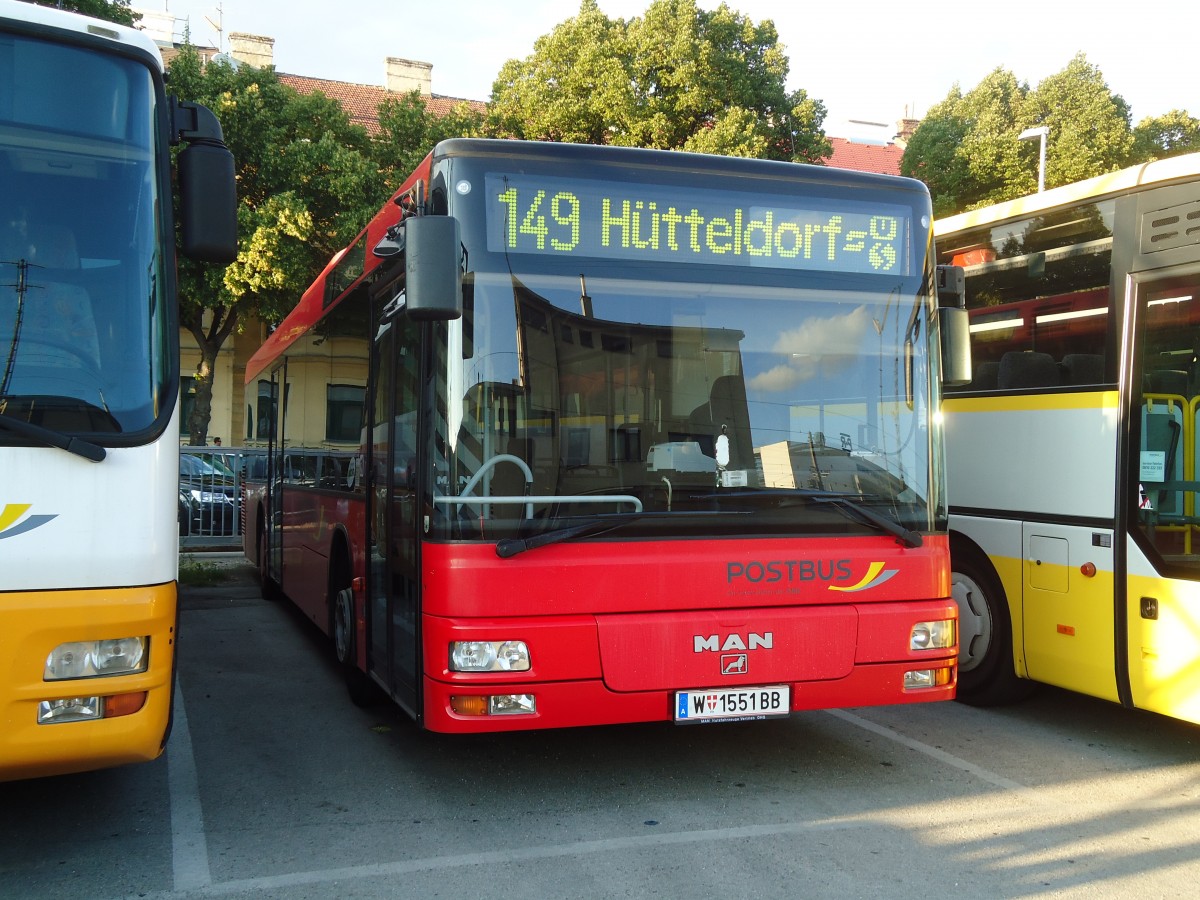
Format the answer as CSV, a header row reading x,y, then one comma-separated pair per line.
x,y
109,10
678,77
1090,131
306,186
968,150
1170,134
408,131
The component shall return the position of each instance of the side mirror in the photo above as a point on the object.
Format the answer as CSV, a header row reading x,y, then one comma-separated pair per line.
x,y
955,326
208,203
433,273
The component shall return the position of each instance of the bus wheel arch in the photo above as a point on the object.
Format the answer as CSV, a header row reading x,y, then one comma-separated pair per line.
x,y
986,672
266,584
343,624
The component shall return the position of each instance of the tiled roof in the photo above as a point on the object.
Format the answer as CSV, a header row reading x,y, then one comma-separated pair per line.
x,y
883,159
362,101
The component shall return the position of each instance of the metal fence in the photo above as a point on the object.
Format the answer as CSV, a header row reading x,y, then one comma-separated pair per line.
x,y
211,494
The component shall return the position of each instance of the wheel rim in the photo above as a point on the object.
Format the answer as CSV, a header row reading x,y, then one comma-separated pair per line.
x,y
974,621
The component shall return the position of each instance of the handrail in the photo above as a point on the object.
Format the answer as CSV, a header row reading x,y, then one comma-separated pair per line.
x,y
546,498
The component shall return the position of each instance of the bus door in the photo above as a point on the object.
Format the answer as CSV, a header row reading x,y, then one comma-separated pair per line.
x,y
1162,604
394,610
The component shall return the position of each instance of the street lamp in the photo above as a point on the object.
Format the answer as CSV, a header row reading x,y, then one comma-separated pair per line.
x,y
1029,134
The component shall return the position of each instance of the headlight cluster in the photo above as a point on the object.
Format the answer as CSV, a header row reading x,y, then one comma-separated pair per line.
x,y
489,656
95,659
936,635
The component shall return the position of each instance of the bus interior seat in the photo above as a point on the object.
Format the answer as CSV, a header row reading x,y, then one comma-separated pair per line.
x,y
1083,368
1167,381
726,406
986,375
63,311
1028,369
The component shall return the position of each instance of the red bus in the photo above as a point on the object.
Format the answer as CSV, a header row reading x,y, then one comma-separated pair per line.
x,y
575,435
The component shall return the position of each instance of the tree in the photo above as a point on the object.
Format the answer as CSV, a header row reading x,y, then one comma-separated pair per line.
x,y
1170,134
408,131
1090,131
676,78
110,10
968,149
306,185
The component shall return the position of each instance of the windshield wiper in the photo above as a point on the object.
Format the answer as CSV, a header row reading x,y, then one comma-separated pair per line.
x,y
48,437
599,525
843,502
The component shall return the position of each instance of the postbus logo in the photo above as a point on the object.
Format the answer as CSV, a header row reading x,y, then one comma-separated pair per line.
x,y
14,521
876,575
836,574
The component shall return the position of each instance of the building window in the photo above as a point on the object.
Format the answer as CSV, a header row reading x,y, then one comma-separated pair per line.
x,y
344,412
268,410
187,400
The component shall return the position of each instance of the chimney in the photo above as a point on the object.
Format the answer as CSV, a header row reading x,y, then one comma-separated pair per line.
x,y
252,49
405,75
905,129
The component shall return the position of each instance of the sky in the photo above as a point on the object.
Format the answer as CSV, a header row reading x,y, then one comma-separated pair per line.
x,y
868,61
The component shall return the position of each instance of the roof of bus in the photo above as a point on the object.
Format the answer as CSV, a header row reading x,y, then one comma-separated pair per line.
x,y
311,307
45,17
1140,176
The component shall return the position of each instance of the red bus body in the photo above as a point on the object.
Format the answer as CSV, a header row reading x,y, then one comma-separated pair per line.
x,y
617,625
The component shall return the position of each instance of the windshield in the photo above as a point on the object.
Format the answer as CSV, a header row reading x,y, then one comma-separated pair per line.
x,y
84,329
703,399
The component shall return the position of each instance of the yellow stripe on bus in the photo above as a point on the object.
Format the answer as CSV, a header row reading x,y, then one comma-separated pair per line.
x,y
1104,400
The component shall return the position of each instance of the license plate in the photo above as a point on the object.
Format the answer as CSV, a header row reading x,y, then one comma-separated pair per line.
x,y
732,703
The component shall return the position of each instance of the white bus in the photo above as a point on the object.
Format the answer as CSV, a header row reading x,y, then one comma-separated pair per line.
x,y
89,383
1073,459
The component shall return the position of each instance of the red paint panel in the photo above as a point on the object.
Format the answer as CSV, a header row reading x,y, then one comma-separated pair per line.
x,y
663,651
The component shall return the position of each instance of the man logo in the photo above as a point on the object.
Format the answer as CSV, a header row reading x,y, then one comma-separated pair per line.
x,y
734,663
714,644
11,524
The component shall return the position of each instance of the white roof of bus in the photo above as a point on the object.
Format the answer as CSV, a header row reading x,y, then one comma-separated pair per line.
x,y
1144,175
53,18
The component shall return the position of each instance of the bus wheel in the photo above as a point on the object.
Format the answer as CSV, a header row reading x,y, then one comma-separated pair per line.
x,y
266,584
361,688
986,675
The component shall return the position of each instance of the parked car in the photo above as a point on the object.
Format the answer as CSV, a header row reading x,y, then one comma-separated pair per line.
x,y
207,498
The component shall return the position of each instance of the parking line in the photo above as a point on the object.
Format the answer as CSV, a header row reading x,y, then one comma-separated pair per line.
x,y
189,845
275,884
940,755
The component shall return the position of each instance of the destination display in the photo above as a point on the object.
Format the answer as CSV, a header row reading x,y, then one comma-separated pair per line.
x,y
567,217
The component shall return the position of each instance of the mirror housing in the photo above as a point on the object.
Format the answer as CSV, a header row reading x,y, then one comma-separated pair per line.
x,y
432,268
208,203
954,326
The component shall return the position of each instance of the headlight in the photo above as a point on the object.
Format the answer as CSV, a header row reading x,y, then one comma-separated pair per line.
x,y
935,635
93,659
489,656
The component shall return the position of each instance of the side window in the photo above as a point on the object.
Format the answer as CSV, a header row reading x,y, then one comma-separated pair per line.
x,y
344,408
1038,295
1168,499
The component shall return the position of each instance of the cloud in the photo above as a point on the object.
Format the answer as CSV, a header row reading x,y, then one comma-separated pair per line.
x,y
818,346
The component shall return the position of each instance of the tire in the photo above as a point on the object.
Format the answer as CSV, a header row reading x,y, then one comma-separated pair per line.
x,y
986,674
266,584
362,690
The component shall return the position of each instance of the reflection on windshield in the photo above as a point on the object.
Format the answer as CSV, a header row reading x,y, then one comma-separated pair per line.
x,y
574,392
82,338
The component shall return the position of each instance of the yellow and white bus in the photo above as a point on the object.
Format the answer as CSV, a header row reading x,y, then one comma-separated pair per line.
x,y
89,383
1074,467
